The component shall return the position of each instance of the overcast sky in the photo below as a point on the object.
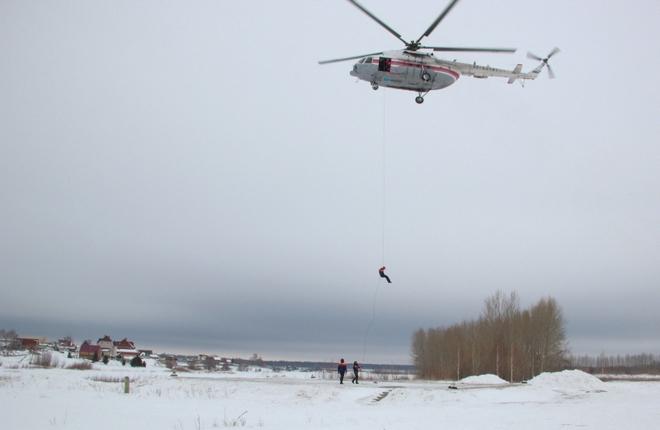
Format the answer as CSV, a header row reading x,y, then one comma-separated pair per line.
x,y
187,175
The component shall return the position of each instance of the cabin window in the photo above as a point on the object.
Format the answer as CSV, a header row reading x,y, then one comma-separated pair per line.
x,y
384,64
368,60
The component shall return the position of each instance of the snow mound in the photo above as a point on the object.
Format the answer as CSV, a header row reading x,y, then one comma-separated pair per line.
x,y
568,380
488,379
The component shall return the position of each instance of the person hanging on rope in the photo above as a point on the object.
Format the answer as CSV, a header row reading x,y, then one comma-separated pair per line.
x,y
341,368
382,274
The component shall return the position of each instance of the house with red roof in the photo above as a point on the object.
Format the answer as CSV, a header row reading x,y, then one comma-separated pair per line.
x,y
89,351
31,343
124,344
66,344
126,349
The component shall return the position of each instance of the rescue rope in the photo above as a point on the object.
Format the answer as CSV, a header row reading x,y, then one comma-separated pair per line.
x,y
384,194
371,323
383,221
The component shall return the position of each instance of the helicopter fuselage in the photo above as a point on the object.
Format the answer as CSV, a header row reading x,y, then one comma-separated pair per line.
x,y
416,69
406,71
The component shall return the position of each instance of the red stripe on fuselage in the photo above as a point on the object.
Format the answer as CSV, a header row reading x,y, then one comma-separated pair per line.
x,y
402,63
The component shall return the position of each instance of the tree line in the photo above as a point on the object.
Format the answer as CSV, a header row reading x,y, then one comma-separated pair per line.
x,y
506,341
625,364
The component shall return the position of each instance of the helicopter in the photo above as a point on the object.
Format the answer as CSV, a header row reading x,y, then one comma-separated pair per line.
x,y
416,69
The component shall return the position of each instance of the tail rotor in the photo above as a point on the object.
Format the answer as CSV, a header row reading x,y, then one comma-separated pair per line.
x,y
544,62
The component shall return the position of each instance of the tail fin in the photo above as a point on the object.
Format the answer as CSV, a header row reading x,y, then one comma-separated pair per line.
x,y
516,72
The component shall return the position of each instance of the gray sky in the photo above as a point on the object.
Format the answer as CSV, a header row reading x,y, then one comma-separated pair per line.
x,y
186,174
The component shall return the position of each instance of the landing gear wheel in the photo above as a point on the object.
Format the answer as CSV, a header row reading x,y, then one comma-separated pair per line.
x,y
426,76
419,100
374,86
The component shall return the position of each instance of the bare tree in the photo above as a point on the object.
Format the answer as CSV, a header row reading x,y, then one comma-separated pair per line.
x,y
9,340
506,341
419,355
548,323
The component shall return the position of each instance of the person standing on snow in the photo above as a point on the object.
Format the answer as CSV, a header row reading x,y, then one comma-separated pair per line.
x,y
356,369
341,368
382,274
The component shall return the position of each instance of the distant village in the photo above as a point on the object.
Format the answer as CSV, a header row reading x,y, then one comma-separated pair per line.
x,y
106,349
126,352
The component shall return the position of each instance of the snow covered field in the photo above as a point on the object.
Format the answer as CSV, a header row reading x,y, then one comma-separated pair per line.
x,y
33,398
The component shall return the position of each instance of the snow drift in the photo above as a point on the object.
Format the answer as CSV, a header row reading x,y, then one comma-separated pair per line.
x,y
570,380
487,379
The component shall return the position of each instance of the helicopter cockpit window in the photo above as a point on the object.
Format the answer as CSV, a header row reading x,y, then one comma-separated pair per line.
x,y
367,60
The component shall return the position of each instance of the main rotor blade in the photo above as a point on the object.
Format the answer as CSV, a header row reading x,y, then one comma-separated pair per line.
x,y
534,57
437,20
336,60
553,52
375,18
461,49
551,74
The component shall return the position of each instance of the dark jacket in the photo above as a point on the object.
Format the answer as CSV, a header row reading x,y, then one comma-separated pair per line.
x,y
341,368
